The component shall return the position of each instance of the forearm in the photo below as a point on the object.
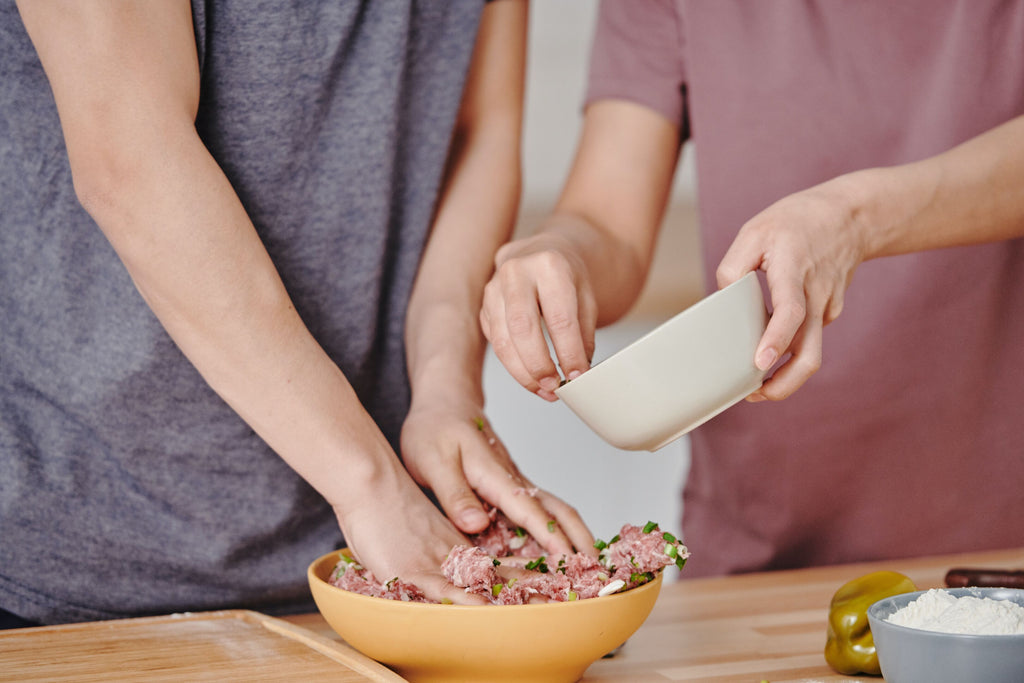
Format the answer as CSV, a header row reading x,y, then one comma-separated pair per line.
x,y
476,215
195,257
614,200
476,212
971,194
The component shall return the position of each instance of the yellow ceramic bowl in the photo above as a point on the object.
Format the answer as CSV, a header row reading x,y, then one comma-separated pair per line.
x,y
549,643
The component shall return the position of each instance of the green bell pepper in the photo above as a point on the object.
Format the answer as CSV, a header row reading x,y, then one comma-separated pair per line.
x,y
850,648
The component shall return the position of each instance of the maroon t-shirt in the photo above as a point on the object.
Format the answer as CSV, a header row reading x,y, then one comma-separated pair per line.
x,y
910,439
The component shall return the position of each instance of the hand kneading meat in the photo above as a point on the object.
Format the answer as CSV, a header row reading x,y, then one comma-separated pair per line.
x,y
632,558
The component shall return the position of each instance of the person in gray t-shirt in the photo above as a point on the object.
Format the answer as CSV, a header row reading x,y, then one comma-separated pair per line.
x,y
267,177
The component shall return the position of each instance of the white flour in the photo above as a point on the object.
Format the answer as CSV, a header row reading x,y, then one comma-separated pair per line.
x,y
939,610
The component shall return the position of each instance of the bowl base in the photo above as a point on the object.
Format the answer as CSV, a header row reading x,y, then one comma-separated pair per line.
x,y
739,396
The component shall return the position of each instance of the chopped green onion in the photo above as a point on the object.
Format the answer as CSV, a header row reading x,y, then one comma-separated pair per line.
x,y
496,588
479,423
671,550
511,582
495,562
680,561
600,545
641,577
650,526
551,526
520,532
446,601
572,596
615,539
632,561
539,564
669,537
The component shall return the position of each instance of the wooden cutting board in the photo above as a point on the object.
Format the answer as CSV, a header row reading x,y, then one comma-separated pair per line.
x,y
233,645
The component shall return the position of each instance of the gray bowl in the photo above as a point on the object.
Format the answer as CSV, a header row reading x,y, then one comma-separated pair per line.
x,y
911,655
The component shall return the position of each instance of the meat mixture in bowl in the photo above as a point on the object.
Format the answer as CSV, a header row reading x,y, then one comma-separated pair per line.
x,y
632,558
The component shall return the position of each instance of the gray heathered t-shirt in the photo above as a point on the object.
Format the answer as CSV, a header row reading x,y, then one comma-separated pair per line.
x,y
127,486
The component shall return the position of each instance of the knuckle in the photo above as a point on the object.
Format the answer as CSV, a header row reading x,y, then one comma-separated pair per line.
x,y
561,322
461,496
792,312
726,272
551,262
501,344
519,323
809,363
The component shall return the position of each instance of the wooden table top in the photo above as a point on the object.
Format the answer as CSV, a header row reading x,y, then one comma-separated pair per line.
x,y
748,628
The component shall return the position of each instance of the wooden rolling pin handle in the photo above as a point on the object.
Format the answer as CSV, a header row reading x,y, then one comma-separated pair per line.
x,y
1001,578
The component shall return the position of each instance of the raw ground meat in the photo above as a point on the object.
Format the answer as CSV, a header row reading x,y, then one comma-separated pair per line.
x,y
632,558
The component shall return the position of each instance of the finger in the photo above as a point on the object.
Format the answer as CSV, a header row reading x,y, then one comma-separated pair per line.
x,y
570,522
571,321
789,311
493,322
525,328
553,523
523,507
506,489
526,332
805,361
445,477
836,301
743,256
588,324
437,588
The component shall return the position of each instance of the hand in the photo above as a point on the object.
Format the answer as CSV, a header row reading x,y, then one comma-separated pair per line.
x,y
540,282
808,244
449,447
402,534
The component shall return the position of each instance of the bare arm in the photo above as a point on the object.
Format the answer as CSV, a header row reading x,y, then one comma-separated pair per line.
x,y
447,443
126,82
586,266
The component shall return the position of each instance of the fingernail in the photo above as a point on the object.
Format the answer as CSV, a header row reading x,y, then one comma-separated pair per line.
x,y
474,517
766,358
574,374
755,398
549,383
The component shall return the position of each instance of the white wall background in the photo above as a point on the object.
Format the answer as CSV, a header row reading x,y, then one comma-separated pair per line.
x,y
552,446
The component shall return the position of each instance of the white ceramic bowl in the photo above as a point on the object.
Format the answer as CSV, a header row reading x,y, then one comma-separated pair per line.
x,y
677,376
912,655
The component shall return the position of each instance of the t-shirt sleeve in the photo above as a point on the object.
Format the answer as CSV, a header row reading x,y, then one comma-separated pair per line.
x,y
637,55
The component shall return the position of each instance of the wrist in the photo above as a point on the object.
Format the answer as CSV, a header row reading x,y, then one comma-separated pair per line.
x,y
867,224
358,471
886,203
446,375
448,352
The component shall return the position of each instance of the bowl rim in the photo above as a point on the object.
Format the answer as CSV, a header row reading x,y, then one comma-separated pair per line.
x,y
703,302
881,605
384,603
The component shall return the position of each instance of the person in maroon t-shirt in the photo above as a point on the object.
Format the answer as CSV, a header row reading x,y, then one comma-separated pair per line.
x,y
827,136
